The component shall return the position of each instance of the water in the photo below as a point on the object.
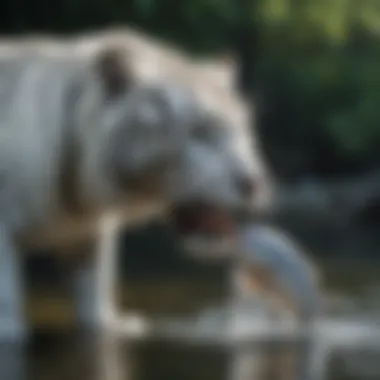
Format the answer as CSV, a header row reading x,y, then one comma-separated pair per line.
x,y
67,355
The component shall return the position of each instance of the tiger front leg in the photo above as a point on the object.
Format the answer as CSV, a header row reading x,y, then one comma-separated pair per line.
x,y
12,318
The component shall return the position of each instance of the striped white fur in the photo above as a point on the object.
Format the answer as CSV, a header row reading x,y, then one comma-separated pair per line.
x,y
53,99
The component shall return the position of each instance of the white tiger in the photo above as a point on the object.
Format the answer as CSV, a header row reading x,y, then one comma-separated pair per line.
x,y
115,120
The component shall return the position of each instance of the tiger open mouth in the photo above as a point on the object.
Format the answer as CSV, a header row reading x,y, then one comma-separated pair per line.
x,y
206,230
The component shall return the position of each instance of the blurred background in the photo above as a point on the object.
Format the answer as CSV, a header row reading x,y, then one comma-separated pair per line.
x,y
312,71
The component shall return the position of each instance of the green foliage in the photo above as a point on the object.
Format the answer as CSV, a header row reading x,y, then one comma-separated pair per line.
x,y
330,19
332,68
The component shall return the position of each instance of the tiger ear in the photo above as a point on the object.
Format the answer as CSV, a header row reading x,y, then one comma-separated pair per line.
x,y
230,66
223,68
229,61
113,68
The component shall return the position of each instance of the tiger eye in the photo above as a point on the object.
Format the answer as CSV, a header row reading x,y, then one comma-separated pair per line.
x,y
210,129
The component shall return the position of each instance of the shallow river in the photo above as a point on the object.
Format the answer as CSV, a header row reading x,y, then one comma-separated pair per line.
x,y
66,355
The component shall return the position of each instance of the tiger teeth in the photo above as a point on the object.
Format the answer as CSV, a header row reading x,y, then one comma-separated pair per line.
x,y
209,248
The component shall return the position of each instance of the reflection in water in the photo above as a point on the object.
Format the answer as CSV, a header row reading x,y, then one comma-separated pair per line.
x,y
70,357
